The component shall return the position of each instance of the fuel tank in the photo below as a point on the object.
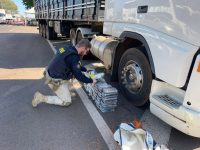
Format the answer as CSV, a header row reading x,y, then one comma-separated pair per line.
x,y
103,48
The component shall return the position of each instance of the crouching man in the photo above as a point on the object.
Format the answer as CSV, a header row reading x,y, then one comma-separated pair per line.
x,y
64,66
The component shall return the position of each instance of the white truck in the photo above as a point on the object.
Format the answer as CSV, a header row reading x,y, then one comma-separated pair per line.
x,y
2,16
150,47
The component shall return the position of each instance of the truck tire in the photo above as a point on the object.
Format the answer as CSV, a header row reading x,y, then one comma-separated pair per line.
x,y
49,32
135,76
73,37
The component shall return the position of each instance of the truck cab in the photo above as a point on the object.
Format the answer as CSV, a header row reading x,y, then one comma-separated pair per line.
x,y
150,47
156,57
160,57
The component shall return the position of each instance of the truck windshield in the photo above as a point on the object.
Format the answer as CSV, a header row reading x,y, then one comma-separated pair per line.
x,y
2,15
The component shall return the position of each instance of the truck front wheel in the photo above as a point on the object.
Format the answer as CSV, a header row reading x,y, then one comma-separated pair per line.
x,y
135,76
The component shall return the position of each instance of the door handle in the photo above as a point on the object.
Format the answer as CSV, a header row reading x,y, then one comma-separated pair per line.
x,y
142,9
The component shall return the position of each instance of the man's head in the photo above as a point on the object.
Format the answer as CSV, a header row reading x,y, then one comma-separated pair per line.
x,y
83,47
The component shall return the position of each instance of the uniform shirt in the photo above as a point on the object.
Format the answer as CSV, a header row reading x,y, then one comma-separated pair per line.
x,y
65,64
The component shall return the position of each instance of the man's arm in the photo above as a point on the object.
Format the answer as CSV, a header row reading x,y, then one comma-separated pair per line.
x,y
76,69
83,69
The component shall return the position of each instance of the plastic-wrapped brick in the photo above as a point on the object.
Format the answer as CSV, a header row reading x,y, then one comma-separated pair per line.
x,y
104,95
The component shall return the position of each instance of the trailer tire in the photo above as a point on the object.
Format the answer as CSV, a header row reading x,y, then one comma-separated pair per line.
x,y
135,76
40,30
44,30
49,32
73,37
79,36
55,35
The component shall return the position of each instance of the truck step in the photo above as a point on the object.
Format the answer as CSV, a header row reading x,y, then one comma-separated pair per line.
x,y
169,101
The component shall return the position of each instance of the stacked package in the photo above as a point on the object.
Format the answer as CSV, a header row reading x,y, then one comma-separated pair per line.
x,y
104,95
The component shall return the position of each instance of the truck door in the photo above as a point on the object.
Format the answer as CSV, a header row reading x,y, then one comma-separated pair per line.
x,y
177,18
118,12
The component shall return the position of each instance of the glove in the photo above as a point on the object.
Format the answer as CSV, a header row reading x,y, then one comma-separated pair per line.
x,y
92,74
89,70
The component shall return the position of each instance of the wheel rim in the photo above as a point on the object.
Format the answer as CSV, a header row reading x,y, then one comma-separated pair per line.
x,y
72,37
132,77
79,37
73,41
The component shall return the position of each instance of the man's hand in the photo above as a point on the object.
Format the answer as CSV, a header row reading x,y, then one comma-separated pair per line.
x,y
94,82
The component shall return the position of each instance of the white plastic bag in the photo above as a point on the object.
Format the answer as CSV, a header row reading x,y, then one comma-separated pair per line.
x,y
131,138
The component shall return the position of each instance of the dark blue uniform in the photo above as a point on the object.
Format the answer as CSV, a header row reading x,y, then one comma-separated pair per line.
x,y
65,64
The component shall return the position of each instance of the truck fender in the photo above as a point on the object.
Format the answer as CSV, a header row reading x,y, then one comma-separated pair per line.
x,y
86,32
117,54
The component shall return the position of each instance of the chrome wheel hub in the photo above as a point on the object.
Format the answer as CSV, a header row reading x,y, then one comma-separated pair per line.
x,y
132,77
73,42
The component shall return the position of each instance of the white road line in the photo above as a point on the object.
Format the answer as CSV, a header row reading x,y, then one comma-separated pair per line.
x,y
54,50
97,118
94,114
158,129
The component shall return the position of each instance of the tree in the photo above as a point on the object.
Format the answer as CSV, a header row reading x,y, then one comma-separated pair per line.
x,y
8,5
28,3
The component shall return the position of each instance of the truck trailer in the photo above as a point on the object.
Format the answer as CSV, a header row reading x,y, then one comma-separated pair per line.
x,y
150,47
71,18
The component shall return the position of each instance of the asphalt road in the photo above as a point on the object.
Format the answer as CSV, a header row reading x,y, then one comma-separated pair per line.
x,y
23,57
45,127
